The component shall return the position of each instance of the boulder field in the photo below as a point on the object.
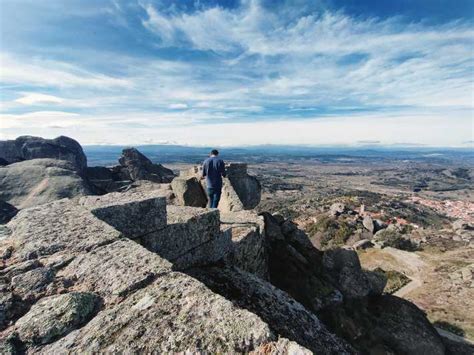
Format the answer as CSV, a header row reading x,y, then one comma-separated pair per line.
x,y
35,171
145,270
125,272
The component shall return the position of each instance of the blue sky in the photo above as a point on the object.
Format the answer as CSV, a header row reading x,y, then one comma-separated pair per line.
x,y
238,72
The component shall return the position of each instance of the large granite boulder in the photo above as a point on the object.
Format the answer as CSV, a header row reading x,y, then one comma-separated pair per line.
x,y
192,237
240,191
175,313
134,168
139,167
249,245
37,181
28,147
384,324
348,299
7,212
247,187
344,269
189,192
286,316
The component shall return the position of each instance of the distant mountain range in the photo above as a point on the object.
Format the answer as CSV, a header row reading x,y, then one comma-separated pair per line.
x,y
108,154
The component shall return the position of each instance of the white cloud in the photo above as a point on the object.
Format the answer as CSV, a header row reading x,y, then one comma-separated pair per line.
x,y
34,99
178,106
41,72
271,68
189,128
38,119
403,64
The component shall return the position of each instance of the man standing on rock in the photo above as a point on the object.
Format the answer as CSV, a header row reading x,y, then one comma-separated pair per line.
x,y
213,170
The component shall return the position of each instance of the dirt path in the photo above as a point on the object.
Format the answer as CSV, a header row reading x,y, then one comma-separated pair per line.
x,y
442,283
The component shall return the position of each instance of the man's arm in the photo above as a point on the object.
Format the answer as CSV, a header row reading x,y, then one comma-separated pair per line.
x,y
222,169
204,169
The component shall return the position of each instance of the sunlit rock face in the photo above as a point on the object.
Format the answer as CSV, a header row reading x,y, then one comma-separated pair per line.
x,y
34,182
60,148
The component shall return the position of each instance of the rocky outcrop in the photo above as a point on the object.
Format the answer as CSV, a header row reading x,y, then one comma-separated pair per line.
x,y
192,237
66,249
7,212
34,182
240,191
125,272
134,167
189,192
347,298
296,267
287,317
60,148
247,187
249,251
174,313
343,267
386,324
138,167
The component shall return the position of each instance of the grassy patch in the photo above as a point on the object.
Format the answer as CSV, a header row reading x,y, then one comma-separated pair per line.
x,y
395,280
335,233
392,238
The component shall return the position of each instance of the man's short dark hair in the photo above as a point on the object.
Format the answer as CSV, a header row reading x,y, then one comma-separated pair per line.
x,y
214,152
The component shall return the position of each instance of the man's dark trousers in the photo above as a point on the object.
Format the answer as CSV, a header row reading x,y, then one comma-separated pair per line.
x,y
214,197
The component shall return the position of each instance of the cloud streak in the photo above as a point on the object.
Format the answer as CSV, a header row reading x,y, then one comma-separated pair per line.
x,y
254,66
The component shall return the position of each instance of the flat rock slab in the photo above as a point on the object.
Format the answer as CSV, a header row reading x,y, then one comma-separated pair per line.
x,y
248,238
132,195
55,227
115,270
174,314
244,218
187,229
133,214
209,253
